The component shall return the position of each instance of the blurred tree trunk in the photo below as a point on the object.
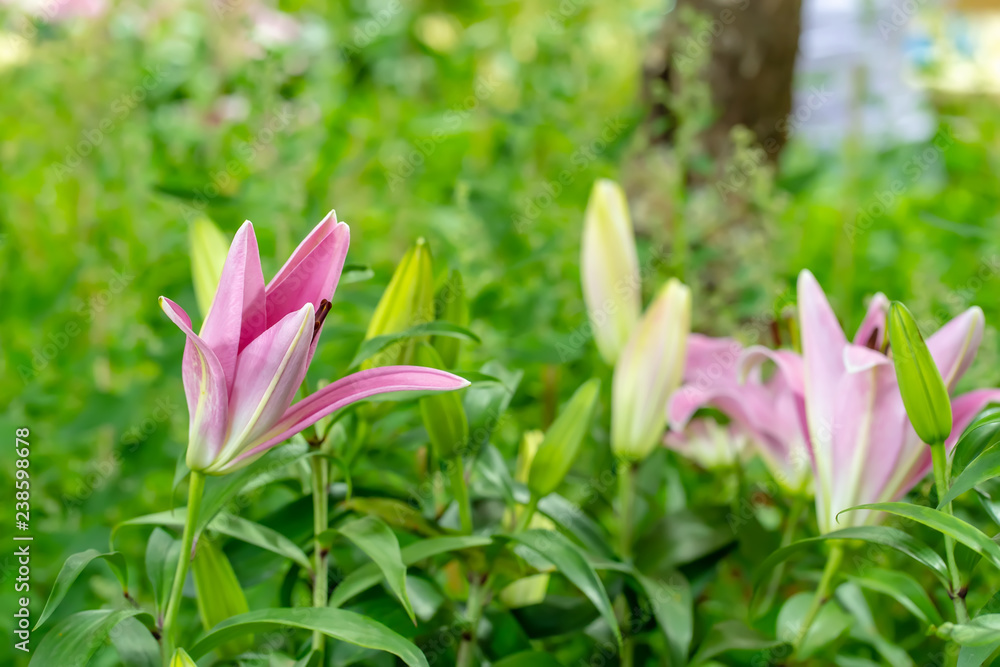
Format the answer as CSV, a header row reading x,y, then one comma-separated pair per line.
x,y
751,61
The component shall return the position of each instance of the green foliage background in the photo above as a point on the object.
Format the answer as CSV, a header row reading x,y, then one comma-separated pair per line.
x,y
480,127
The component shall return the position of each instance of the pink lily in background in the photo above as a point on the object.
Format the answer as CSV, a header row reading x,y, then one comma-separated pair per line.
x,y
242,371
769,413
864,449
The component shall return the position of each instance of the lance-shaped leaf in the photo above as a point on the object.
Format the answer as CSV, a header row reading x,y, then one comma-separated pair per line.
x,y
162,552
342,625
562,442
944,523
570,562
451,306
985,466
902,587
980,631
72,568
378,541
981,435
443,415
73,641
218,593
924,393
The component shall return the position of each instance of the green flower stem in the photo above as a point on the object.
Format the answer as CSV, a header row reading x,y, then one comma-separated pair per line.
x,y
321,520
941,475
460,492
626,507
822,591
478,590
791,522
196,488
527,513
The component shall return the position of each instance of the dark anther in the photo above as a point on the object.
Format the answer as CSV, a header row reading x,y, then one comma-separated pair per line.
x,y
872,342
776,332
321,313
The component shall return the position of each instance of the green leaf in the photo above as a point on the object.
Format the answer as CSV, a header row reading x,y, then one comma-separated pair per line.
x,y
883,536
371,347
72,568
73,641
980,631
944,523
575,521
369,575
902,587
671,605
377,540
921,386
135,644
231,526
559,449
220,490
452,306
342,625
485,404
985,466
830,624
528,659
570,562
977,438
732,636
162,552
218,593
976,656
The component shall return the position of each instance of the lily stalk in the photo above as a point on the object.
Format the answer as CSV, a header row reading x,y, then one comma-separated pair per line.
x,y
196,489
320,469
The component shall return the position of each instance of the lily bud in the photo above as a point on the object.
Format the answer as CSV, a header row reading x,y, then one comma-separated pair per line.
x,y
406,302
648,372
562,443
443,414
218,593
610,269
925,396
526,451
209,247
451,306
182,659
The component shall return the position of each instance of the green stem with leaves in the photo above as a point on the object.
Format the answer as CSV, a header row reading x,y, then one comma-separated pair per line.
x,y
822,591
460,491
626,509
321,520
527,513
196,488
941,476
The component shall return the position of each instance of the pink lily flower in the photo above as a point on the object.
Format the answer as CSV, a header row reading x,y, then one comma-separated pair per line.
x,y
769,413
242,371
864,449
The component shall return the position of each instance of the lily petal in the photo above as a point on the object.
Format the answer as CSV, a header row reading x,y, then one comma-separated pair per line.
x,y
237,315
312,272
205,390
954,345
858,359
873,327
709,359
268,374
347,390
